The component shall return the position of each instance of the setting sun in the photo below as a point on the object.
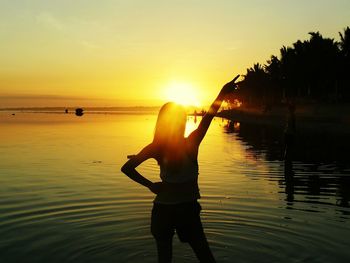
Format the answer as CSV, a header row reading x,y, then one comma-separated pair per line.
x,y
182,93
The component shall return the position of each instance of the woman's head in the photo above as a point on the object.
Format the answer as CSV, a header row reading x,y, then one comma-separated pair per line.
x,y
171,124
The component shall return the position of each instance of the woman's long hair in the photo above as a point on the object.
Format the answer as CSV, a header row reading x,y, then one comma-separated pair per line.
x,y
171,124
169,131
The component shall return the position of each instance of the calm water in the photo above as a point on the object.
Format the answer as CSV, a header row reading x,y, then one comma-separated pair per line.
x,y
64,199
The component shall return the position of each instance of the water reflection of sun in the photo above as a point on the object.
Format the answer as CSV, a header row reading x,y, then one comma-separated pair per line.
x,y
191,125
182,93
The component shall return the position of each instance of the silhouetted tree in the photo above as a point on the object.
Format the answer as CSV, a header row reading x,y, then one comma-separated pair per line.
x,y
255,84
345,42
317,69
344,81
273,69
322,65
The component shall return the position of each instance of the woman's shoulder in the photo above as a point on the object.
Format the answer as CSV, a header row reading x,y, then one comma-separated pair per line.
x,y
192,141
152,147
191,147
154,150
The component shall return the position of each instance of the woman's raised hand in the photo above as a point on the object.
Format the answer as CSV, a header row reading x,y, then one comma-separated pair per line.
x,y
229,87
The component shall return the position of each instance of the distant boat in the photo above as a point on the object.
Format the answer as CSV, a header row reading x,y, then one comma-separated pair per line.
x,y
79,112
66,110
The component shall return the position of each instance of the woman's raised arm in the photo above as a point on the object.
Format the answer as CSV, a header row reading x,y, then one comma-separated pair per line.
x,y
198,134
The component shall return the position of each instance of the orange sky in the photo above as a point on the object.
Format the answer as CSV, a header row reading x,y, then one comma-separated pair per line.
x,y
127,53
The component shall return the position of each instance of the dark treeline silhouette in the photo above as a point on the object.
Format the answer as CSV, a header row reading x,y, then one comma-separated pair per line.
x,y
314,70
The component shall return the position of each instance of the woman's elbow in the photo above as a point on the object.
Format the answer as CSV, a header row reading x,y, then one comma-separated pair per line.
x,y
125,168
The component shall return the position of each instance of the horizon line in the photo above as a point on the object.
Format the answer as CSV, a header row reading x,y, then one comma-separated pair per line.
x,y
87,107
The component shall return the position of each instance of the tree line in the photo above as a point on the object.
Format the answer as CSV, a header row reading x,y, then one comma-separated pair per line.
x,y
314,70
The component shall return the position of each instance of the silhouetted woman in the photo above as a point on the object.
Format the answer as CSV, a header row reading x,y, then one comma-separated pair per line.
x,y
175,205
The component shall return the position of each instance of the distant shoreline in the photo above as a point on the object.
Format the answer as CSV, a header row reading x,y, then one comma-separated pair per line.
x,y
324,118
93,110
40,109
315,118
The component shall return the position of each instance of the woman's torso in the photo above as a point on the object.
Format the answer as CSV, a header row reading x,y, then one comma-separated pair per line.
x,y
179,174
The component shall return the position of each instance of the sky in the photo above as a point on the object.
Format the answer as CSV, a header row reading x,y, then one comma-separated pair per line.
x,y
137,52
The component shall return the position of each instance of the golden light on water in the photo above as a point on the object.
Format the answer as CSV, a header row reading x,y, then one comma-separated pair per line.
x,y
191,125
182,93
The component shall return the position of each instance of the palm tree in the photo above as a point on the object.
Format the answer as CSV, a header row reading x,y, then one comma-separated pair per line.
x,y
345,42
254,85
273,69
344,78
314,69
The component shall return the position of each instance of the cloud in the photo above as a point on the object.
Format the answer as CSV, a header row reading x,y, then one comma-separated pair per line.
x,y
89,45
76,32
31,100
48,20
40,97
232,48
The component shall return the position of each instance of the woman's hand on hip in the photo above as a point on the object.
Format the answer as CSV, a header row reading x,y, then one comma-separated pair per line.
x,y
156,188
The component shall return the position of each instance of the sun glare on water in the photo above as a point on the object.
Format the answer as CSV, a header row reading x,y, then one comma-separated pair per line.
x,y
182,93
